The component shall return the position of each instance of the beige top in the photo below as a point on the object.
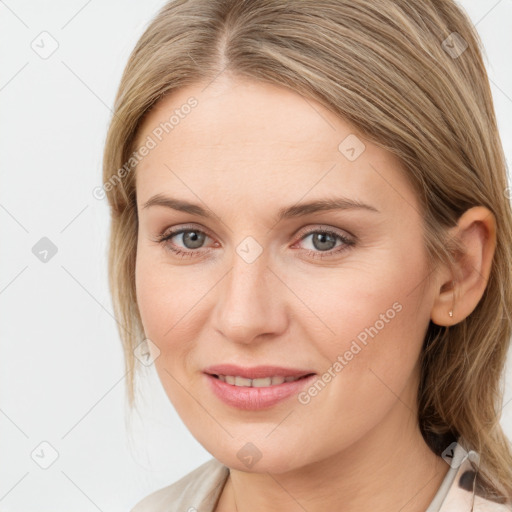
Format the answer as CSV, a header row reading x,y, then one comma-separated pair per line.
x,y
200,490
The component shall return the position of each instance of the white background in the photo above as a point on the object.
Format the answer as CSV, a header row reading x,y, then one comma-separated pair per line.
x,y
61,367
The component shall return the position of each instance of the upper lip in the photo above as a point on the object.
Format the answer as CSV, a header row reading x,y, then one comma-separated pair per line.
x,y
255,372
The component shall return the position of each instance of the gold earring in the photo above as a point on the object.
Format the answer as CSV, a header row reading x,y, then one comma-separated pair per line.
x,y
450,313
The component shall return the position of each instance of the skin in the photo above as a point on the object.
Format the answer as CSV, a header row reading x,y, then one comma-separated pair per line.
x,y
247,150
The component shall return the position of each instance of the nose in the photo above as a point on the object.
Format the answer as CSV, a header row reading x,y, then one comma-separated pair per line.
x,y
251,302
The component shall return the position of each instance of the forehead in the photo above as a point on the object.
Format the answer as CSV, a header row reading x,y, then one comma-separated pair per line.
x,y
242,109
255,137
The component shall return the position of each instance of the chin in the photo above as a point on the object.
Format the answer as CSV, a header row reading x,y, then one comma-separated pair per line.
x,y
275,464
258,456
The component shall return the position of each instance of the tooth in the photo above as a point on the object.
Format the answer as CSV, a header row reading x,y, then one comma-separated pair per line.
x,y
241,381
260,383
256,383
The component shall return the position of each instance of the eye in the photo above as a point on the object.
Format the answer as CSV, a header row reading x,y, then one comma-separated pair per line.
x,y
190,238
324,242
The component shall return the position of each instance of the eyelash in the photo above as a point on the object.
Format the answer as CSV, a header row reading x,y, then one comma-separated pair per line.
x,y
166,236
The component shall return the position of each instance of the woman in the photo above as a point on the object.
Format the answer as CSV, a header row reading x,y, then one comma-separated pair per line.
x,y
311,238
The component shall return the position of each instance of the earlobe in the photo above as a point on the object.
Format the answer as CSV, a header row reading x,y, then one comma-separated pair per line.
x,y
444,303
460,294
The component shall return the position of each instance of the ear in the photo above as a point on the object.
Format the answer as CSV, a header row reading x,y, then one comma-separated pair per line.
x,y
476,230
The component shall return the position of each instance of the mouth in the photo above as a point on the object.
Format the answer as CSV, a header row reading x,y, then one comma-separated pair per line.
x,y
256,372
262,382
258,387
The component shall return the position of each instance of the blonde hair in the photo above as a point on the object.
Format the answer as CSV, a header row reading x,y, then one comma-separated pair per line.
x,y
400,73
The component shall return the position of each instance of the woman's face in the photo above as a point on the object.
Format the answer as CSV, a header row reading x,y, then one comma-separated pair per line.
x,y
269,275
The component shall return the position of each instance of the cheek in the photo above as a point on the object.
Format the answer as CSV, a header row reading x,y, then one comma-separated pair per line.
x,y
165,305
162,298
158,285
173,308
152,295
380,317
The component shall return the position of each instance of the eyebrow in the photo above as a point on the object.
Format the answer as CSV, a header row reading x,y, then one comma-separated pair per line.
x,y
297,210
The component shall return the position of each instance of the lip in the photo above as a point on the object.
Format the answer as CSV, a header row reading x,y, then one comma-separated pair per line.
x,y
256,398
255,372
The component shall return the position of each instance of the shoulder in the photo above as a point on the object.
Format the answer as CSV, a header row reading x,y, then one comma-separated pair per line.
x,y
486,499
483,505
200,487
482,499
464,487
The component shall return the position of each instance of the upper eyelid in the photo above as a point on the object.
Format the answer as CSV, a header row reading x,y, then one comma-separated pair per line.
x,y
179,230
322,228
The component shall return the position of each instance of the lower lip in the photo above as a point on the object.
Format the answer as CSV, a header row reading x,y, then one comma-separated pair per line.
x,y
249,398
